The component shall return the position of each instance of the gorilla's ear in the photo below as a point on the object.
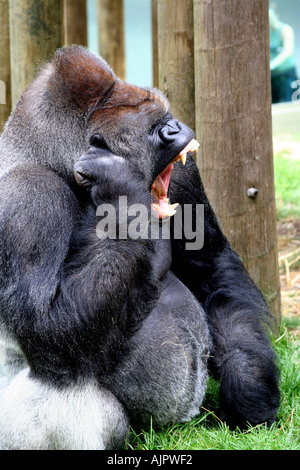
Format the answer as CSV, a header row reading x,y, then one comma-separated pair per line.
x,y
80,79
81,176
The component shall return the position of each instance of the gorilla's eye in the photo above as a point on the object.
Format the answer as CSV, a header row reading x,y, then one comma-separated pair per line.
x,y
97,140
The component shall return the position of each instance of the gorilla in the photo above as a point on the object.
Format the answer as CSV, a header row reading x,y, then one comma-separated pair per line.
x,y
98,331
176,330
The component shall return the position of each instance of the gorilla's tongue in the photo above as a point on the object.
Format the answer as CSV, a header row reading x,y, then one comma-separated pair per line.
x,y
161,207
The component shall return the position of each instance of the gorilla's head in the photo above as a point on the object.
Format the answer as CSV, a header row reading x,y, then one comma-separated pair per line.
x,y
77,102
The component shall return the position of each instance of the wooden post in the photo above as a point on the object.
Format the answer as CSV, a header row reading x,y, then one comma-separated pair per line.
x,y
5,95
154,44
36,31
234,128
176,57
75,22
111,34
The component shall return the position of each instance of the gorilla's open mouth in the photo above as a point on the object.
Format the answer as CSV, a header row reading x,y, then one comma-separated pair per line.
x,y
161,207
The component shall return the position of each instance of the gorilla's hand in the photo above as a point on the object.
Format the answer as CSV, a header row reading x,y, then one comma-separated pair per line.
x,y
107,177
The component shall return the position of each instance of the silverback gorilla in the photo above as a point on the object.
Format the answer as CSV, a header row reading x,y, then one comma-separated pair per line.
x,y
100,333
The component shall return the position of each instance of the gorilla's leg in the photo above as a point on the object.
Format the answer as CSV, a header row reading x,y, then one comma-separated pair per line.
x,y
164,376
37,416
237,313
12,359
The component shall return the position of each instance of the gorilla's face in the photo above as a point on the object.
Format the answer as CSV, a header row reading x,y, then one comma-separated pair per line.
x,y
131,122
145,133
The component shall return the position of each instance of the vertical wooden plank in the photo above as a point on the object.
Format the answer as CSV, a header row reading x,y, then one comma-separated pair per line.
x,y
111,34
5,88
234,128
75,22
36,31
176,57
154,44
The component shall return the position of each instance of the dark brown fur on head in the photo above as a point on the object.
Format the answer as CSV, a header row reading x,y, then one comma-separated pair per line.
x,y
74,96
87,82
79,77
83,84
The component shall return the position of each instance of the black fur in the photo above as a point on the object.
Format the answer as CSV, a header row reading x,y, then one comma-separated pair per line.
x,y
166,316
238,317
72,314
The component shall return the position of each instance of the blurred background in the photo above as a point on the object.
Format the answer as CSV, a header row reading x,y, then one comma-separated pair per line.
x,y
138,34
138,39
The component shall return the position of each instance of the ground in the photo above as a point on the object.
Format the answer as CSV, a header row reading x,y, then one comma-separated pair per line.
x,y
287,181
289,264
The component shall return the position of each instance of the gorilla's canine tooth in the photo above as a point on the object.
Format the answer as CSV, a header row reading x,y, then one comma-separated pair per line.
x,y
192,146
183,158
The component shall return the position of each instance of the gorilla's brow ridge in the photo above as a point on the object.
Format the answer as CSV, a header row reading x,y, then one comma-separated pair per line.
x,y
99,102
122,104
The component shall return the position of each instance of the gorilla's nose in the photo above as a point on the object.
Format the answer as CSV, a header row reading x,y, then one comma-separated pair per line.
x,y
175,132
170,130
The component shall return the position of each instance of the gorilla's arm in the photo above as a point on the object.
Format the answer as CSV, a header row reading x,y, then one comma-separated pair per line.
x,y
237,313
67,310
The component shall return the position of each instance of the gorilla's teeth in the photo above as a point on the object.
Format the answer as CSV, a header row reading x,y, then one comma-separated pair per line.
x,y
169,210
192,146
183,158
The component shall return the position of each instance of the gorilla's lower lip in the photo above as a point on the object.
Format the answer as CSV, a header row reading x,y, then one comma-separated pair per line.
x,y
161,208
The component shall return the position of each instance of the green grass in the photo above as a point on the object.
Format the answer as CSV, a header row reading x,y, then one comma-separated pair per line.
x,y
209,433
287,185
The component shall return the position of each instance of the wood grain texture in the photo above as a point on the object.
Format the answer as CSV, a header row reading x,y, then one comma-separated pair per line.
x,y
111,34
5,87
234,128
75,22
36,31
154,44
176,57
